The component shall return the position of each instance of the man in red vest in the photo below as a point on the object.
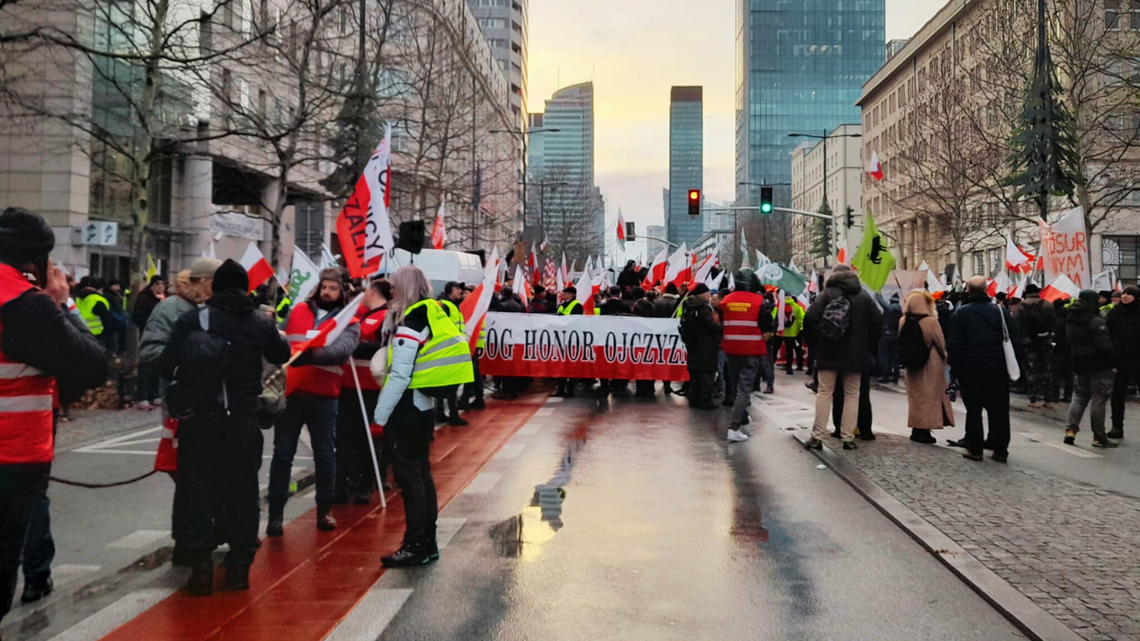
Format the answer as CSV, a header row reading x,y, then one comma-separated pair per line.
x,y
745,343
47,357
313,385
353,460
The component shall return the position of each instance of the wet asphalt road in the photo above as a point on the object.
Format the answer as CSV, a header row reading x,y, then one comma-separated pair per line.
x,y
662,530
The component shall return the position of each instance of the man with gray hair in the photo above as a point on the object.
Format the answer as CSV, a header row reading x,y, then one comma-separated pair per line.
x,y
977,362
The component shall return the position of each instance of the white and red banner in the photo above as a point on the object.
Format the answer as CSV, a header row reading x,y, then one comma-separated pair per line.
x,y
552,346
364,227
1065,248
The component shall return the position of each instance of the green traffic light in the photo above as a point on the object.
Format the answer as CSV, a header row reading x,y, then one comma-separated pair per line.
x,y
766,208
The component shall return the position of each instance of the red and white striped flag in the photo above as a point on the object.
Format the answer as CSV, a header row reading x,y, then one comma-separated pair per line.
x,y
1017,259
474,307
521,287
548,275
364,227
585,288
330,330
621,230
1061,288
439,231
256,266
656,270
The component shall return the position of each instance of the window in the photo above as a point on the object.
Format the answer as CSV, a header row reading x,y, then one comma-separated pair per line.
x,y
228,13
492,23
1122,253
1114,72
205,35
1112,15
979,263
261,99
227,94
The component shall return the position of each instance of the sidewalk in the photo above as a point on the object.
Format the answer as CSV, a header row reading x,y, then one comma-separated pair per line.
x,y
1071,549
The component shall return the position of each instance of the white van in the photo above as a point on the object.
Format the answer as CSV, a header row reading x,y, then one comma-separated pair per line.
x,y
442,266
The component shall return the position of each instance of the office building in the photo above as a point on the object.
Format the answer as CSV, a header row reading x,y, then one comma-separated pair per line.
x,y
654,241
686,163
800,67
504,25
843,176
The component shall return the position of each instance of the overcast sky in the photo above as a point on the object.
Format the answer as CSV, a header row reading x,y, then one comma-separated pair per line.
x,y
635,50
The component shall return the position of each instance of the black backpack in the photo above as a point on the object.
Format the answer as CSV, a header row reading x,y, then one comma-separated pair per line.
x,y
199,381
835,323
913,350
689,323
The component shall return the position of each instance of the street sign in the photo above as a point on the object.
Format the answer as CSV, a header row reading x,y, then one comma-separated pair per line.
x,y
100,232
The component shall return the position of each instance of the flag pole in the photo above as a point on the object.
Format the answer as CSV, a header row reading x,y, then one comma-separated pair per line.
x,y
368,436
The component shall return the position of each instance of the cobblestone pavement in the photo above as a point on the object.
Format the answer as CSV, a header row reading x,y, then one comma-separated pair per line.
x,y
1072,549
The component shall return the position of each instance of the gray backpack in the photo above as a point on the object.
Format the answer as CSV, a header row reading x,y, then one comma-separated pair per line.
x,y
835,323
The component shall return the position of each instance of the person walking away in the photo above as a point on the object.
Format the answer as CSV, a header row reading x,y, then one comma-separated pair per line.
x,y
746,329
889,344
427,352
568,306
353,460
922,352
214,358
1091,351
313,385
844,325
643,307
789,336
48,358
447,410
977,362
1036,318
613,306
1123,323
666,307
1062,364
701,333
767,373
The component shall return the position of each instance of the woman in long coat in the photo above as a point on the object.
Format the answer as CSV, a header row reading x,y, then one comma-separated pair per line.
x,y
928,406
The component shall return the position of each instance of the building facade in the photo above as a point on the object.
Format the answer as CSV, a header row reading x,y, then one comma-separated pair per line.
x,y
843,180
686,163
799,67
652,246
560,174
504,24
939,115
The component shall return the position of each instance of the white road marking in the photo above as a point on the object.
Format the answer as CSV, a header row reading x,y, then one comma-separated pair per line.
x,y
483,483
139,539
510,451
111,445
446,529
371,616
546,411
104,621
554,399
66,572
530,428
295,458
1067,449
135,452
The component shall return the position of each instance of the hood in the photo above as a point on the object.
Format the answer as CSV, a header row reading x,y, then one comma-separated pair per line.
x,y
694,302
1080,306
847,282
234,301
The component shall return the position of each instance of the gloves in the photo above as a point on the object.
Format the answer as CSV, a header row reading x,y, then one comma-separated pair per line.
x,y
306,358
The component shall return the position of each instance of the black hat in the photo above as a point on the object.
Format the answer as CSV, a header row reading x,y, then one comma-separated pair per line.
x,y
231,275
701,288
1089,296
24,237
671,288
615,290
1031,288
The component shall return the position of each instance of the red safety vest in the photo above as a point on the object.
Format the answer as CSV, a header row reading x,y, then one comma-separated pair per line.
x,y
27,395
740,312
370,323
314,380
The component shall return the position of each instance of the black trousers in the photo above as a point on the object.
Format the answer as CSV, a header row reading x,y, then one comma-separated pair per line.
x,y
448,405
985,389
412,468
1127,372
473,391
216,498
791,345
353,460
701,388
866,417
20,487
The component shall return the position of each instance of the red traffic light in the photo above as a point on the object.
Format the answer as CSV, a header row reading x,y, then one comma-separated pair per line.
x,y
694,202
694,194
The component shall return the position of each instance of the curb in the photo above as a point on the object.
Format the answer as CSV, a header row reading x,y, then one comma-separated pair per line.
x,y
1019,609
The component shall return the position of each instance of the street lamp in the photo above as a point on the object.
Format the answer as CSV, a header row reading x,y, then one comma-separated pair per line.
x,y
825,206
525,135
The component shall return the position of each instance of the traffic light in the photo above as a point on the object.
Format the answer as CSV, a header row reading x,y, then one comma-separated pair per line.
x,y
694,202
765,200
630,232
850,218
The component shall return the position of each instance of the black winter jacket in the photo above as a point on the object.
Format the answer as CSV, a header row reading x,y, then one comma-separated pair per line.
x,y
975,333
1124,327
613,307
666,305
852,353
644,308
703,352
1090,345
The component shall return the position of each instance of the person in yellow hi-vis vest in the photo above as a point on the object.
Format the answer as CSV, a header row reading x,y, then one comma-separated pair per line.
x,y
472,397
426,355
447,409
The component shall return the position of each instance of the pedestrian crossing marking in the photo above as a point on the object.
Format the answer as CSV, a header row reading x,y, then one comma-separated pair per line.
x,y
483,483
510,451
104,621
117,444
554,399
139,539
546,411
530,428
371,616
446,529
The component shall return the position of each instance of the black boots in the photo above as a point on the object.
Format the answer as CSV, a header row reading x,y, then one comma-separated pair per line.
x,y
276,525
325,521
201,581
237,578
33,593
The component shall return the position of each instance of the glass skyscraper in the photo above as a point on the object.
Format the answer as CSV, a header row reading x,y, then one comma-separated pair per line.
x,y
686,163
800,66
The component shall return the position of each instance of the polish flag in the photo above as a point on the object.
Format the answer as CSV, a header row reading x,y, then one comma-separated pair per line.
x,y
585,287
1016,259
532,265
621,230
474,307
876,167
521,287
677,265
256,266
813,284
364,226
545,244
1019,290
999,284
841,258
439,231
1061,288
656,270
702,273
330,330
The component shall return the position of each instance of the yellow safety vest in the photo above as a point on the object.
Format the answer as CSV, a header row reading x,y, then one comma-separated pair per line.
x,y
285,302
86,307
565,311
480,342
453,313
445,359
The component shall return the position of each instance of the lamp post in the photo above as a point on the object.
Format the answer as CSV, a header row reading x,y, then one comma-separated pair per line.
x,y
826,205
524,135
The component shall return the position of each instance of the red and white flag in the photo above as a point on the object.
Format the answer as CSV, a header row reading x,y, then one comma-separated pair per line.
x,y
521,287
330,330
702,273
876,167
1019,290
439,231
677,266
364,227
256,266
621,230
1061,288
999,284
1016,259
656,270
474,307
841,257
813,283
585,289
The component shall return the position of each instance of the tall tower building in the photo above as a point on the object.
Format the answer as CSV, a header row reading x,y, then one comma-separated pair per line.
x,y
799,67
504,25
686,163
562,199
